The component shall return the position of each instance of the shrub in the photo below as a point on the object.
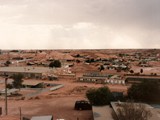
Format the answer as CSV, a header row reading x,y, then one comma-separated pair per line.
x,y
100,96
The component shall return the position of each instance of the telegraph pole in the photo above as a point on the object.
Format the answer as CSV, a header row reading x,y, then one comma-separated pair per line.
x,y
6,106
20,113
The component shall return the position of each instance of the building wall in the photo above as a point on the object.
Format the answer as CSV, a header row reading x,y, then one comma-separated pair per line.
x,y
134,80
26,75
100,80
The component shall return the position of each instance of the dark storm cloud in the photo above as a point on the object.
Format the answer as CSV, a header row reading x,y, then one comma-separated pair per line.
x,y
143,13
97,23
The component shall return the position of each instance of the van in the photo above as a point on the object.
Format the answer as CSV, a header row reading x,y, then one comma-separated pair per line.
x,y
82,105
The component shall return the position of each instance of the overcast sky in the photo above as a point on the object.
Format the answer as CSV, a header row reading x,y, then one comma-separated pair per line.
x,y
79,24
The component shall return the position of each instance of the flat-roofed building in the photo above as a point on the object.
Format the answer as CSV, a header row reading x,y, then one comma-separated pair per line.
x,y
48,117
27,72
139,79
101,78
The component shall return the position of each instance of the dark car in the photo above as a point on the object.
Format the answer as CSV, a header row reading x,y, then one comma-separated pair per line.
x,y
82,105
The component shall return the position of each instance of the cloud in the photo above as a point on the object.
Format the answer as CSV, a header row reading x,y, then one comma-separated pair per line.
x,y
117,13
79,24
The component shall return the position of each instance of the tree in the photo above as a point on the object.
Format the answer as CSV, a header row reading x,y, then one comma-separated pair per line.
x,y
78,61
78,55
146,91
141,71
121,54
155,74
17,83
55,63
100,96
131,71
101,68
132,111
9,86
90,60
7,63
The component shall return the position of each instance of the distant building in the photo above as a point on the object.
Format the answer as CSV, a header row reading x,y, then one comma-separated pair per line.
x,y
93,77
27,72
101,78
139,79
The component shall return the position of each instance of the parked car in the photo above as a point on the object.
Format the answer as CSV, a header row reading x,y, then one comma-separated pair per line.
x,y
82,105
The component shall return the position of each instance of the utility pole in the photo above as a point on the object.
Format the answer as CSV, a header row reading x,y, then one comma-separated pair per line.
x,y
6,106
20,112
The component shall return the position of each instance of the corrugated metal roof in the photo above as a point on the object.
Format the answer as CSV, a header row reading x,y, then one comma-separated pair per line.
x,y
49,117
